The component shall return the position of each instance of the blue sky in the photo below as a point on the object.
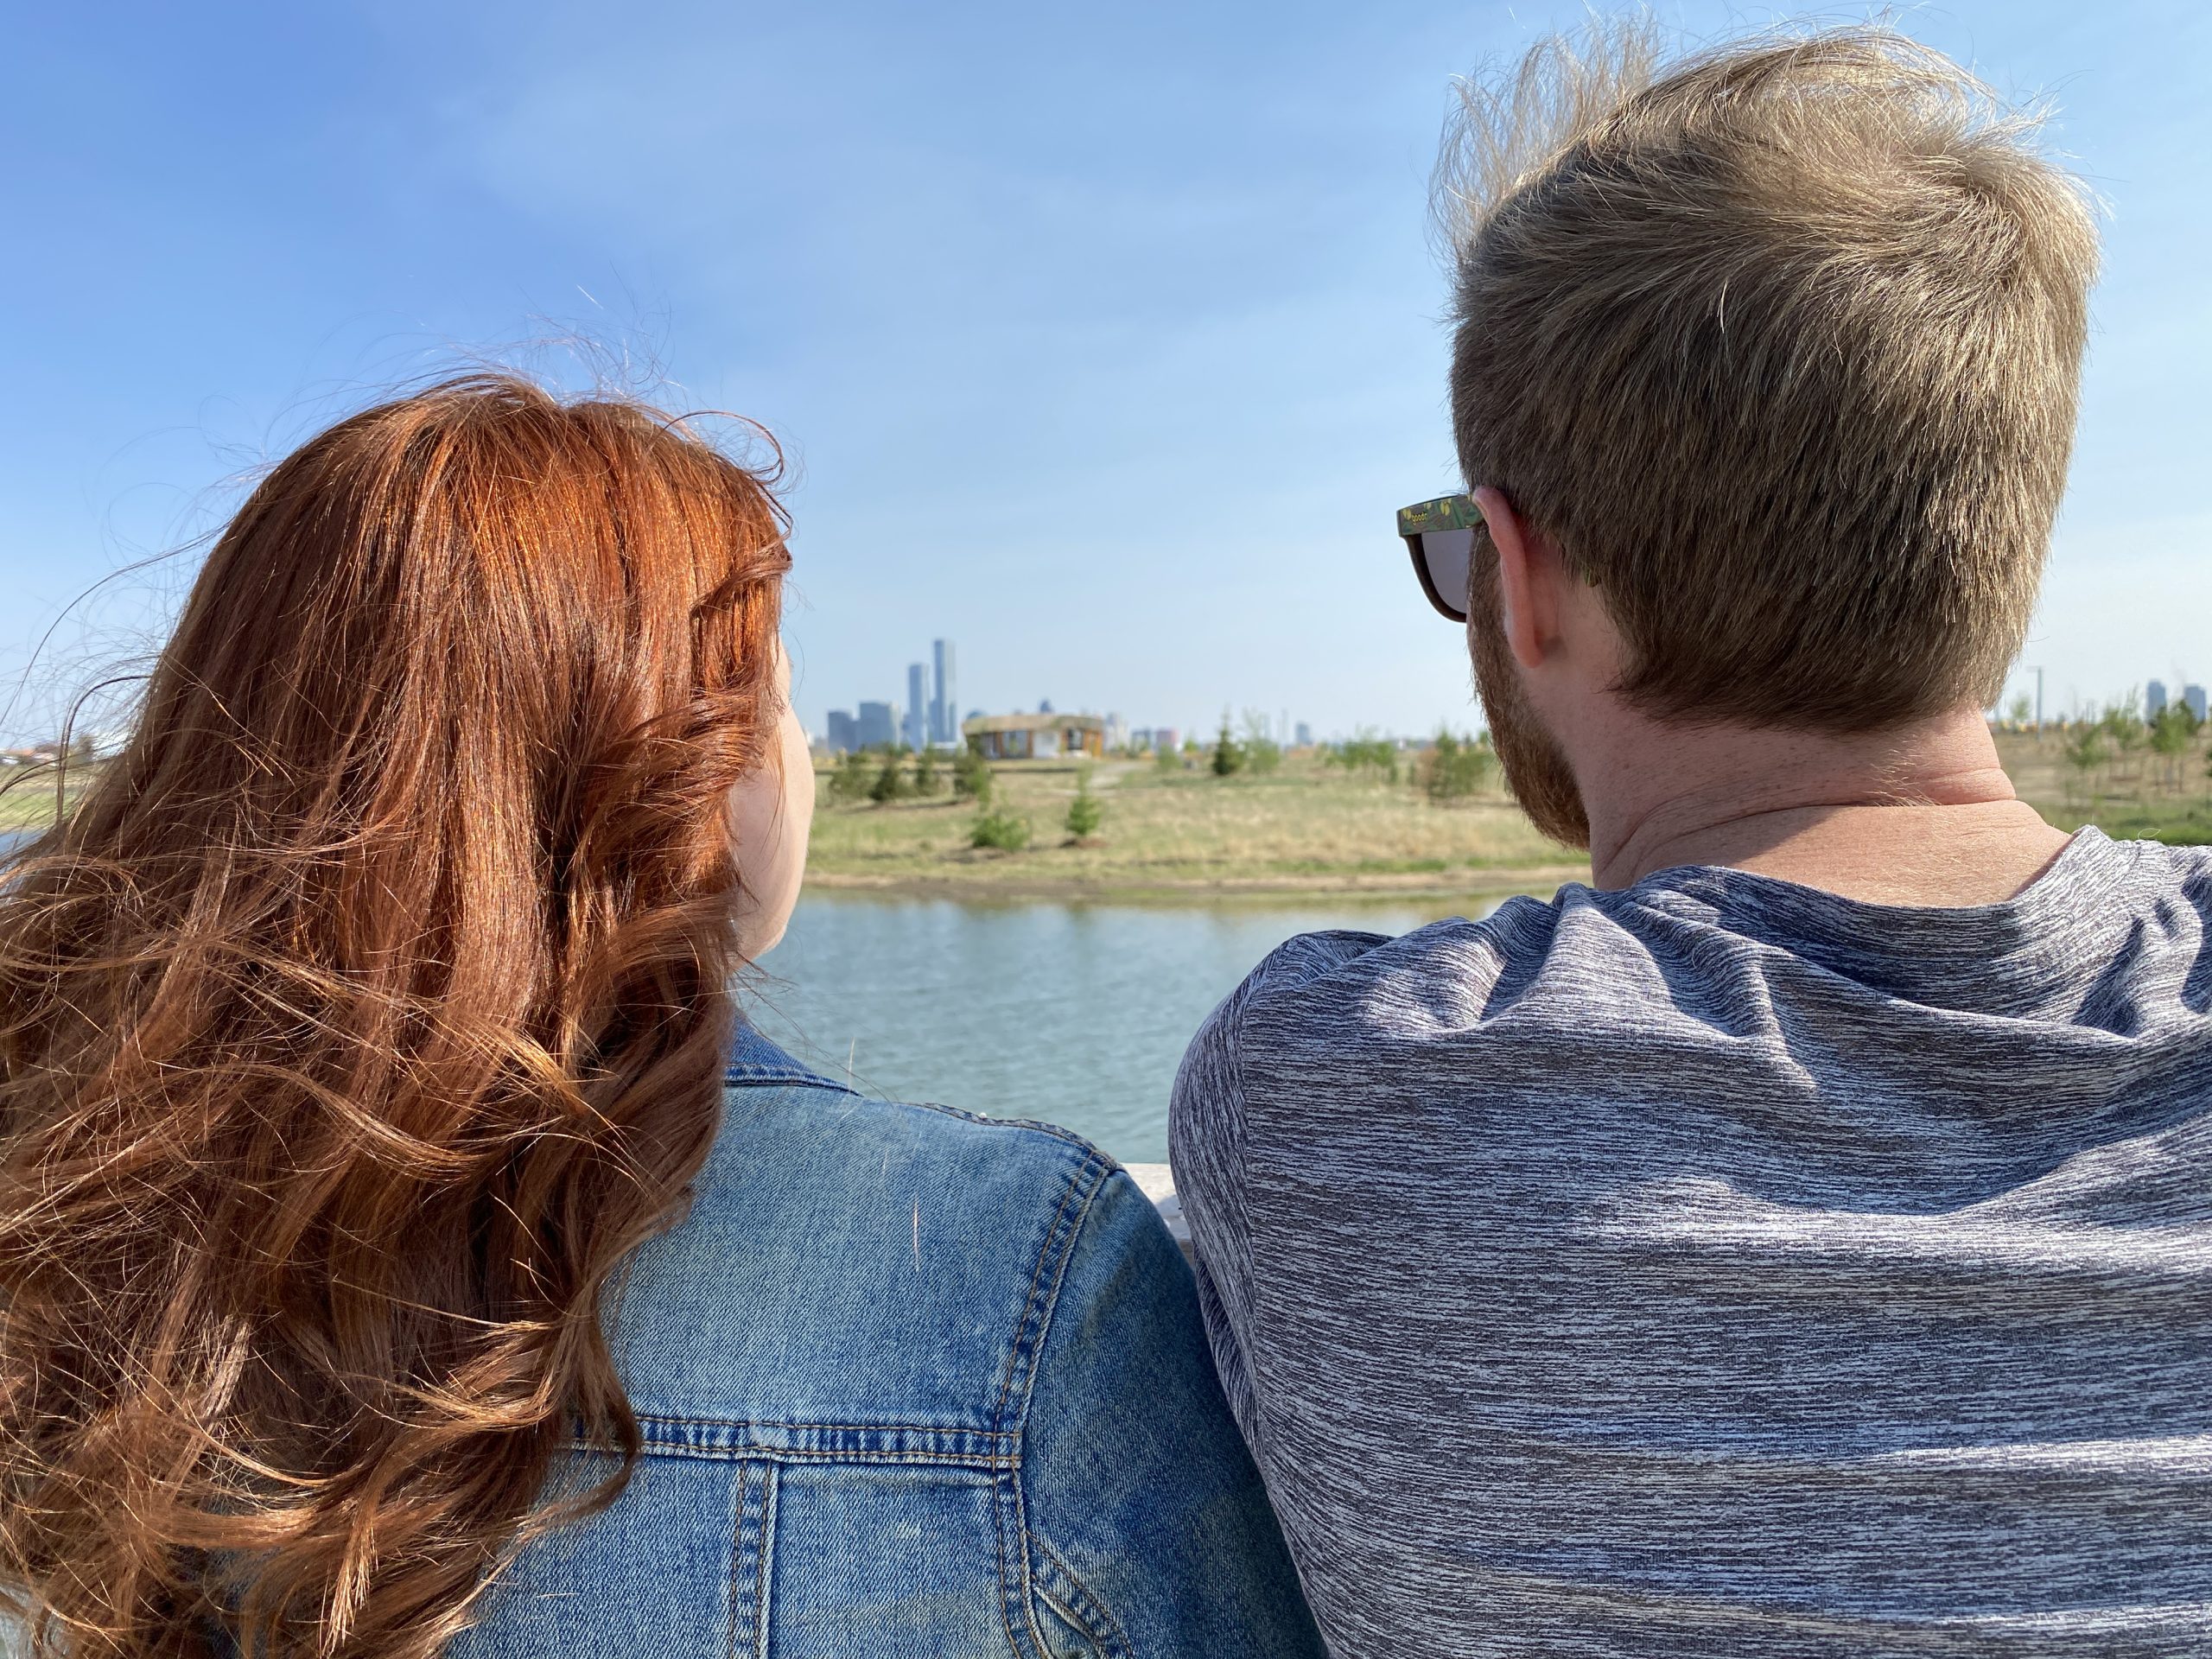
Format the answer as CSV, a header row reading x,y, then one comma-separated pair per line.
x,y
1103,340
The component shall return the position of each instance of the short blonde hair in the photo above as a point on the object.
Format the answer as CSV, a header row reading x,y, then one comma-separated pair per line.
x,y
1781,347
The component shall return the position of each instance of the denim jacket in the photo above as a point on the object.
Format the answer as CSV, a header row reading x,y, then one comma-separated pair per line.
x,y
911,1382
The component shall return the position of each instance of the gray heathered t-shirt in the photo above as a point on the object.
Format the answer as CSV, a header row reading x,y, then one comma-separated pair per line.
x,y
1719,1266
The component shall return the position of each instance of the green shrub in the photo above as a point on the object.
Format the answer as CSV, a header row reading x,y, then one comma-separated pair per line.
x,y
1453,768
891,783
927,778
971,777
2123,727
1262,753
1006,832
1228,753
1085,813
854,776
1368,752
2085,748
2172,735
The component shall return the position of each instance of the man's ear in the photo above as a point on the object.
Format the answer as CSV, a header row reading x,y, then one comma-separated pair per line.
x,y
1526,581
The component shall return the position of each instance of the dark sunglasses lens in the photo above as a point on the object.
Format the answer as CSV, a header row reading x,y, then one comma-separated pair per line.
x,y
1446,554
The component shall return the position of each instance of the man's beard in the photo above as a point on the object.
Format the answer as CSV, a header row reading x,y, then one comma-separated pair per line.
x,y
1535,767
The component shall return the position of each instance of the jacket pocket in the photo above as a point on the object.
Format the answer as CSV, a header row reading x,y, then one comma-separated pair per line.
x,y
834,1558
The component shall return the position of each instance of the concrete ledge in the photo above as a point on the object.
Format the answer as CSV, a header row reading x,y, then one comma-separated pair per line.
x,y
1157,1182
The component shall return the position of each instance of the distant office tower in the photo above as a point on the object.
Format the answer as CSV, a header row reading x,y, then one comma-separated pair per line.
x,y
2154,699
2192,697
1167,737
844,731
944,707
1304,736
1117,732
879,724
915,731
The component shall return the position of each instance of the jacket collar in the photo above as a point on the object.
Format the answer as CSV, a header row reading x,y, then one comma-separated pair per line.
x,y
753,1059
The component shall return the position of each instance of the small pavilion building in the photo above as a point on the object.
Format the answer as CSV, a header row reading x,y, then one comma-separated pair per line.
x,y
1035,737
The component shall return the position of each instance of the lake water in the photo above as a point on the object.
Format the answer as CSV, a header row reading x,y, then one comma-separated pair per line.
x,y
1075,1014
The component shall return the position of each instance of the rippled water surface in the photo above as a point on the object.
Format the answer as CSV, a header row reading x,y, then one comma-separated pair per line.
x,y
1074,1014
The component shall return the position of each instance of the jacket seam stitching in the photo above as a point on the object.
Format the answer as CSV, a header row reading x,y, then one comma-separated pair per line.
x,y
733,1597
781,1080
1030,1330
1016,1579
1091,1181
1014,1570
1069,1617
645,1417
989,1461
1090,1611
768,1561
765,1563
1065,1135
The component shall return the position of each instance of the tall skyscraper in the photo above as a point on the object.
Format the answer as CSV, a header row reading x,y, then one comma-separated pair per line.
x,y
878,724
2154,699
915,732
844,730
944,707
2192,698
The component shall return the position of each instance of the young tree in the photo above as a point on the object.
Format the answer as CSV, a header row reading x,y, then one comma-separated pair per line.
x,y
2085,754
1228,754
926,781
972,780
890,783
2170,737
1365,753
851,781
1085,814
1452,768
1262,753
2124,732
1002,831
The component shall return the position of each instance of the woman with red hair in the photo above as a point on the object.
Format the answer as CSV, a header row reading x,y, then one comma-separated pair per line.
x,y
406,1248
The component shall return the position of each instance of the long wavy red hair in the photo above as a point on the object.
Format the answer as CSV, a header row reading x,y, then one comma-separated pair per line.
x,y
361,1016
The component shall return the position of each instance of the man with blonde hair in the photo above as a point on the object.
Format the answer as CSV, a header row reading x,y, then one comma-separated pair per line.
x,y
1798,1241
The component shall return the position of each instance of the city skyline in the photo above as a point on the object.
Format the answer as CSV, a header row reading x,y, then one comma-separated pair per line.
x,y
929,718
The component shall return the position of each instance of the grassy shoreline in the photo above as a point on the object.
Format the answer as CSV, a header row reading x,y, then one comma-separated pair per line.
x,y
1138,889
1186,837
1307,830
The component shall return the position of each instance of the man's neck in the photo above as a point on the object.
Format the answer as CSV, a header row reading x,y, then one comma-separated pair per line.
x,y
1920,816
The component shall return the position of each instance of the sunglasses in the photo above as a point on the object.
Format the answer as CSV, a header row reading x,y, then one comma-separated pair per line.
x,y
1440,535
